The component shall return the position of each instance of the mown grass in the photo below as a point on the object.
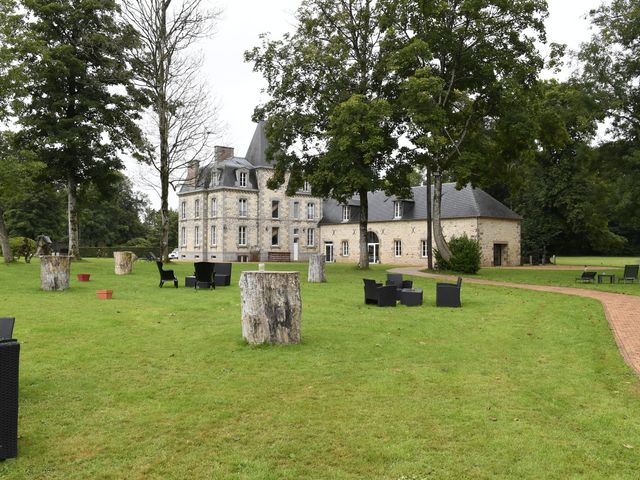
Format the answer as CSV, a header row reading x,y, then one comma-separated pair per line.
x,y
598,261
157,384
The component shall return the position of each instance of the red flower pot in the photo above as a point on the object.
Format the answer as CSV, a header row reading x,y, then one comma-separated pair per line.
x,y
83,277
104,294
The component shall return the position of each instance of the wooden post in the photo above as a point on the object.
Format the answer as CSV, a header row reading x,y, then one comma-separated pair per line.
x,y
124,262
271,307
316,269
55,272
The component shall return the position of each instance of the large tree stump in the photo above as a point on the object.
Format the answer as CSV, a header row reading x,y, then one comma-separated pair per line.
x,y
55,272
316,269
271,307
124,262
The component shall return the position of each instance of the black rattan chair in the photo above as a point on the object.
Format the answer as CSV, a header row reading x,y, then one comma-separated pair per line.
x,y
587,277
204,272
222,275
166,275
371,291
448,294
6,328
387,296
396,280
9,366
630,274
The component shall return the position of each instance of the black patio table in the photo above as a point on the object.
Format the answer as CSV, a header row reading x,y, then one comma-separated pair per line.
x,y
610,276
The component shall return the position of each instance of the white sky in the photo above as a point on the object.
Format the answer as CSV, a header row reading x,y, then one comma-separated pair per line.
x,y
238,89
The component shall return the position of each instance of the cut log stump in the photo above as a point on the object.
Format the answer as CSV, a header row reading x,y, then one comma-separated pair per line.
x,y
55,272
124,262
316,269
271,307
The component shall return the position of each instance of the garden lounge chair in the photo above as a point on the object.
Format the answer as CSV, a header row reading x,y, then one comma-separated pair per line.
x,y
166,275
376,293
448,294
204,275
630,274
222,274
6,328
587,277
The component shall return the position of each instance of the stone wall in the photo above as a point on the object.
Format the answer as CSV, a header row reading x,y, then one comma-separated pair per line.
x,y
499,231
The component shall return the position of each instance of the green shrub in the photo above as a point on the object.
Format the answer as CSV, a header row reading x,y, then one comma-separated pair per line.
x,y
22,247
465,256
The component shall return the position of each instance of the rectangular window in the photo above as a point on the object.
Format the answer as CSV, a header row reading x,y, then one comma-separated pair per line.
x,y
275,204
311,237
423,248
306,187
345,248
397,248
183,236
214,236
397,209
183,210
274,236
196,208
311,211
243,179
196,235
214,207
242,236
346,213
296,210
242,207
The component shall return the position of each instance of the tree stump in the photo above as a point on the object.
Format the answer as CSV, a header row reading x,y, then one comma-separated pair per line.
x,y
316,269
124,262
55,272
271,307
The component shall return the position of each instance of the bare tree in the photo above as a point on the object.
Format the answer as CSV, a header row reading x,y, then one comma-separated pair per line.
x,y
181,117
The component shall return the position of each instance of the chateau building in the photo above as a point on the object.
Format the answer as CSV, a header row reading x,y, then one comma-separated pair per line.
x,y
227,213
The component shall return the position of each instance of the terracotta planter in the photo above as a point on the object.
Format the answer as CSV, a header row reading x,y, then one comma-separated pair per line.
x,y
104,294
83,277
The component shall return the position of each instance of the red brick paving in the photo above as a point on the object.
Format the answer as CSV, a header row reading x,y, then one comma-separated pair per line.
x,y
622,311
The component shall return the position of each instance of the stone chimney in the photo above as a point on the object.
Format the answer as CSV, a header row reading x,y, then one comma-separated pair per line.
x,y
222,153
192,173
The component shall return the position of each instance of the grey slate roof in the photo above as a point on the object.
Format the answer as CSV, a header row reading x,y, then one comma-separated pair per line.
x,y
466,203
256,153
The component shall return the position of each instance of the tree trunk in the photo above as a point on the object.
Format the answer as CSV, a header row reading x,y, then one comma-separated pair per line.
x,y
441,243
55,271
271,307
4,240
124,262
316,269
364,225
429,223
163,133
72,211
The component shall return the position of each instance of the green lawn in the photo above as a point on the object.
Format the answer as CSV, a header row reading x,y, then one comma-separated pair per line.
x,y
598,261
157,384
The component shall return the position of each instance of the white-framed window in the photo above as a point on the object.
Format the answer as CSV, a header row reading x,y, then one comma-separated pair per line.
x,y
311,237
242,179
183,210
214,236
296,210
346,213
275,240
345,248
397,209
397,248
242,236
214,207
311,211
196,235
196,208
275,207
306,187
183,236
423,248
242,207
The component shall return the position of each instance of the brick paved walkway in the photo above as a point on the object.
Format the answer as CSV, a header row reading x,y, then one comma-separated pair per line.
x,y
622,311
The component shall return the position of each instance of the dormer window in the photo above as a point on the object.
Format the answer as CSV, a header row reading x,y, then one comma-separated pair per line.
x,y
306,187
397,209
311,211
346,213
242,179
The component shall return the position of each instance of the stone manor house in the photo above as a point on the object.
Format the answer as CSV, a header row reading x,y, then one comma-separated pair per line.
x,y
227,213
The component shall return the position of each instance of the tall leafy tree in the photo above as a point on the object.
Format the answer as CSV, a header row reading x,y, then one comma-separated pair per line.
x,y
459,61
79,108
330,117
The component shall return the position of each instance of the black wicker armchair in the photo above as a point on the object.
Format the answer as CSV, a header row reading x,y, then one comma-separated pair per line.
x,y
6,328
448,294
222,275
204,272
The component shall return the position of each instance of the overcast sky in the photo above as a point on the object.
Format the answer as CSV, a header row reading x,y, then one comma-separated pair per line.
x,y
238,89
